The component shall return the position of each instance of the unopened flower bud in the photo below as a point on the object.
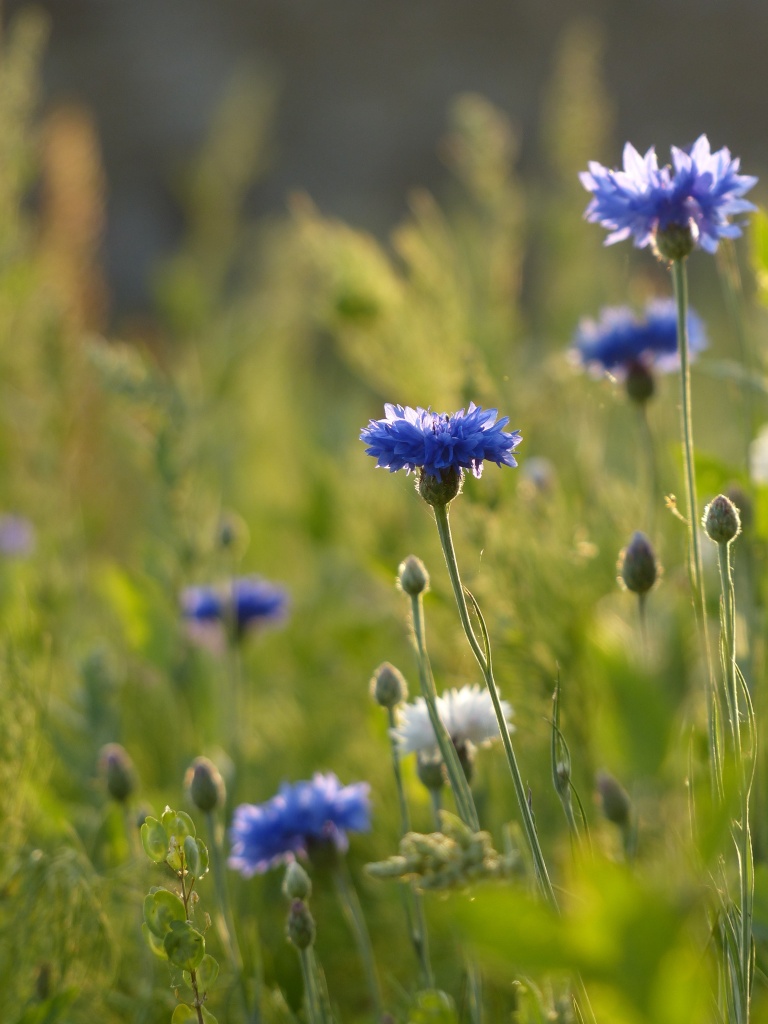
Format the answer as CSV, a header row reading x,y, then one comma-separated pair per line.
x,y
205,784
721,520
675,241
640,383
442,491
296,882
638,568
388,687
413,576
118,771
300,926
614,799
431,772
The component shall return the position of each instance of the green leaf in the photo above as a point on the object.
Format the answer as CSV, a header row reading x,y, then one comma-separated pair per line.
x,y
202,850
154,943
185,1013
184,945
192,860
154,839
433,1007
178,824
207,973
161,909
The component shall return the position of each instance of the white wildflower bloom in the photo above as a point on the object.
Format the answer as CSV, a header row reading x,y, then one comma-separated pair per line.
x,y
467,715
758,457
414,732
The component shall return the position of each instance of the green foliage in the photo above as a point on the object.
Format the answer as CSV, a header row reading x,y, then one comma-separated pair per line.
x,y
271,347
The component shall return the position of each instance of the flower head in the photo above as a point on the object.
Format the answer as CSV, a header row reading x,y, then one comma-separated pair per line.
x,y
467,715
696,196
243,604
620,340
17,535
264,835
437,443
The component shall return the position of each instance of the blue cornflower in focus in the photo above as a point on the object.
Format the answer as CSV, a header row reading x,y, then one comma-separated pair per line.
x,y
620,339
244,604
302,814
673,208
438,444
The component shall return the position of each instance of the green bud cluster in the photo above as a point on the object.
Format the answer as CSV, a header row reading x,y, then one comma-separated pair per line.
x,y
614,800
300,925
638,567
118,771
412,576
443,491
169,927
205,785
721,520
675,242
450,859
388,686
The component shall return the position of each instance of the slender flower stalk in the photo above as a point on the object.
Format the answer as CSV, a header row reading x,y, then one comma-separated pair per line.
x,y
465,804
484,660
722,523
354,913
412,901
311,994
680,279
225,925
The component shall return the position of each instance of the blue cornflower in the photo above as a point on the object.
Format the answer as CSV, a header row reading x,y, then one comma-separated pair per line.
x,y
272,833
244,603
17,535
620,340
654,205
434,443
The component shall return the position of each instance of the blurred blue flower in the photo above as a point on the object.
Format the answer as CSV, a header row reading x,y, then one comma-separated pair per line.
x,y
272,833
413,439
17,535
620,339
699,194
244,603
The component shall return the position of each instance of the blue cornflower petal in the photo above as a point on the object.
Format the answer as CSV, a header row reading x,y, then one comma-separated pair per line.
x,y
418,438
246,601
620,338
205,604
699,192
272,833
257,600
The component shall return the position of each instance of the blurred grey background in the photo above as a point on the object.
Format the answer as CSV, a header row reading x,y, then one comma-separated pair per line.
x,y
361,89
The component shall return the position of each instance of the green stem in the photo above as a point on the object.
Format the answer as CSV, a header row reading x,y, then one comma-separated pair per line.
x,y
642,613
198,1004
742,836
437,806
354,913
465,805
314,1012
475,990
680,280
652,470
225,924
412,902
529,826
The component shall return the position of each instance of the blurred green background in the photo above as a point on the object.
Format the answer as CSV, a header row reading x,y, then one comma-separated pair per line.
x,y
236,386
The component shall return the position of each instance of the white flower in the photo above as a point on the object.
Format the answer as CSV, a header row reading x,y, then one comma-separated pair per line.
x,y
467,714
758,457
